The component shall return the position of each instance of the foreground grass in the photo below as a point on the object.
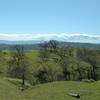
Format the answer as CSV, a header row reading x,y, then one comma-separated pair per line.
x,y
50,91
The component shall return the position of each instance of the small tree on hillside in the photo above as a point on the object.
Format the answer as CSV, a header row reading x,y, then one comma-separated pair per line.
x,y
18,64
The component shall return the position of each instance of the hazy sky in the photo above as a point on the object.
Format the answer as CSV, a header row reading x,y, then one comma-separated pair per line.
x,y
50,16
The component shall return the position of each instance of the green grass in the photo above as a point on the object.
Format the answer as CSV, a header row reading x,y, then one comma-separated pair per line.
x,y
51,91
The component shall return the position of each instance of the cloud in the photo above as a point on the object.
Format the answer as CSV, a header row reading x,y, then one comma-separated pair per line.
x,y
73,37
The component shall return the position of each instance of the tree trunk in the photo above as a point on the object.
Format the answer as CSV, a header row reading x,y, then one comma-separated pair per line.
x,y
94,74
23,79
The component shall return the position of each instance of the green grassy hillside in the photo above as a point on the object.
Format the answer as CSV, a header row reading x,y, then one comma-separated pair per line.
x,y
51,91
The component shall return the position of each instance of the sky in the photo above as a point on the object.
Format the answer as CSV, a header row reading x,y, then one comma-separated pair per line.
x,y
31,17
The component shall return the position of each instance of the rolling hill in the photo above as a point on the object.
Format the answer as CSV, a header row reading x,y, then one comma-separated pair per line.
x,y
49,91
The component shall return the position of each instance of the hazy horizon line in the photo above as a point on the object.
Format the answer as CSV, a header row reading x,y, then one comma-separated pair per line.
x,y
68,37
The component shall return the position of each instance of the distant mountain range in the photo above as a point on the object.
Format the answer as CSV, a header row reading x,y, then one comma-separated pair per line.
x,y
19,42
31,41
28,46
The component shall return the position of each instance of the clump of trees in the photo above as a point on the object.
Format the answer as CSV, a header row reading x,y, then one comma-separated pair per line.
x,y
73,63
55,62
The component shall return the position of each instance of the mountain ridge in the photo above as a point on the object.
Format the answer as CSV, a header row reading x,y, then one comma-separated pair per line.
x,y
36,46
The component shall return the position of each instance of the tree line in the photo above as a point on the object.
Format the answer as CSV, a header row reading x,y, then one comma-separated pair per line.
x,y
54,63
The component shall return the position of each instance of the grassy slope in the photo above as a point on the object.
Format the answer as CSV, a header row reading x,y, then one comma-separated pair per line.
x,y
50,91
